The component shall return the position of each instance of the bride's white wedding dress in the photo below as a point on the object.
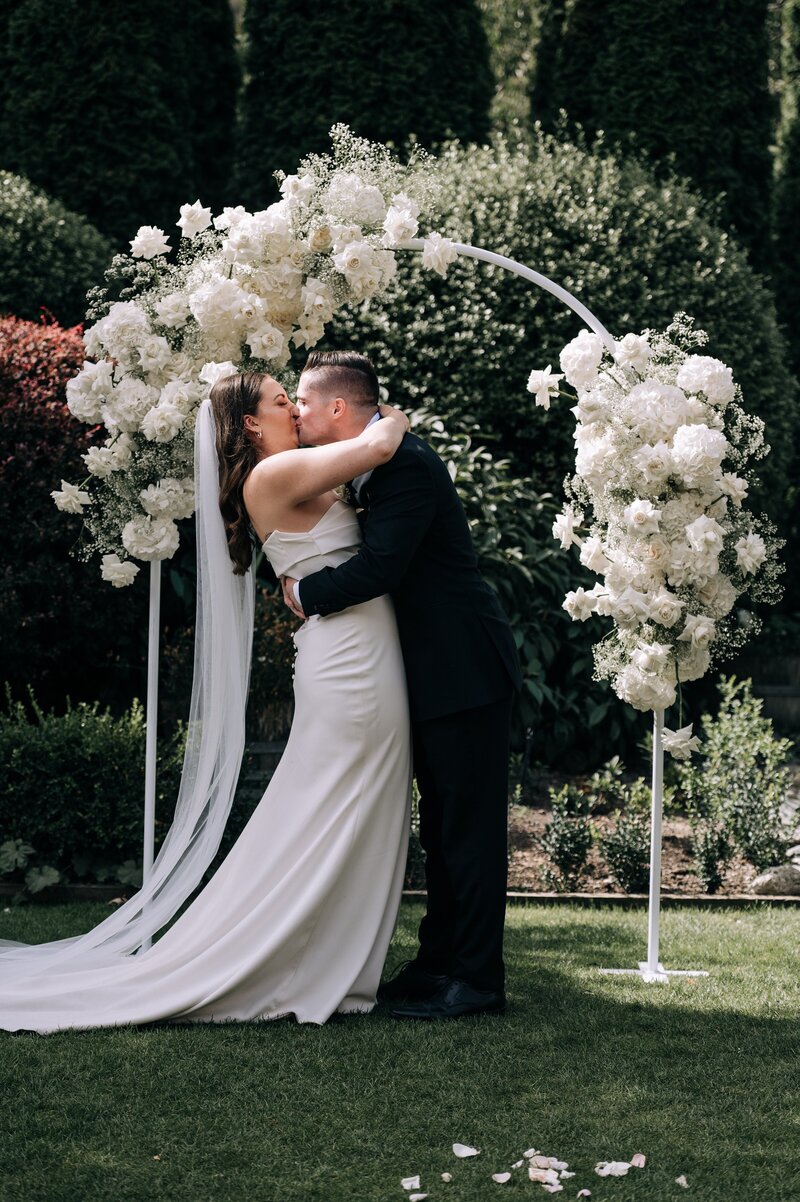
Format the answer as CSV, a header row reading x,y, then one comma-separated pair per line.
x,y
298,917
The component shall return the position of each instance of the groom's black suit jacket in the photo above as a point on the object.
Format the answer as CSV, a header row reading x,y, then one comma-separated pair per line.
x,y
458,647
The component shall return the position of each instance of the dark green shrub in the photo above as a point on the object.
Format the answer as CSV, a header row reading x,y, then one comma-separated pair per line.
x,y
72,787
566,840
50,256
688,83
740,778
131,117
626,850
388,68
787,183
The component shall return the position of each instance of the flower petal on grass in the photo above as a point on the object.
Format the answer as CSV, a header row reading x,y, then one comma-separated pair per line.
x,y
553,1187
584,1193
416,1197
543,1176
410,1182
564,1174
518,1164
530,1153
682,1181
612,1168
464,1150
501,1178
447,1176
638,1160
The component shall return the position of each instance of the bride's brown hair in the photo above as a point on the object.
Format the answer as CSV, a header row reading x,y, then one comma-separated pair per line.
x,y
231,398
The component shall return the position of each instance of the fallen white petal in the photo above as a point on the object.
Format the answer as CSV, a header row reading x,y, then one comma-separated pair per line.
x,y
554,1163
501,1178
682,1181
531,1152
544,1176
447,1176
553,1187
416,1197
518,1164
584,1193
410,1183
565,1173
463,1150
612,1168
638,1160
542,1162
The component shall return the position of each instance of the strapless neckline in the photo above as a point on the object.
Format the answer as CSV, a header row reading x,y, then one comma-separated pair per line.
x,y
305,533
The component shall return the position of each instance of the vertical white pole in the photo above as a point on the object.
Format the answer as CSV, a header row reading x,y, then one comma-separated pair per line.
x,y
653,916
151,724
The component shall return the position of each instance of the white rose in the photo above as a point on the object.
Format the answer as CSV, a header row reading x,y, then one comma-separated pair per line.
x,y
267,342
654,463
299,187
579,604
194,219
320,239
172,310
642,517
630,608
162,422
70,499
354,260
149,242
718,595
664,608
699,631
593,405
230,216
733,486
117,571
603,604
150,538
651,657
655,553
702,373
183,394
597,457
680,743
87,391
99,461
544,386
750,552
593,555
633,351
581,358
154,353
211,372
400,225
438,253
705,535
698,453
564,527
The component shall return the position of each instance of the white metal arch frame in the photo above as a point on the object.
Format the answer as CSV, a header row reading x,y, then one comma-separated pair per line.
x,y
651,969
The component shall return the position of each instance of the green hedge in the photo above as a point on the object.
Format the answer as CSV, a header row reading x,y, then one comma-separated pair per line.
x,y
72,786
688,83
389,68
787,184
50,255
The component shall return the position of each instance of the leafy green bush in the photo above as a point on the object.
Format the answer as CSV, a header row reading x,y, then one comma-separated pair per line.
x,y
633,248
626,850
50,255
740,778
72,791
712,850
786,227
566,840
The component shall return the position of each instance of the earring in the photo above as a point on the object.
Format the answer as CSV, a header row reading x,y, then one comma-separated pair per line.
x,y
259,433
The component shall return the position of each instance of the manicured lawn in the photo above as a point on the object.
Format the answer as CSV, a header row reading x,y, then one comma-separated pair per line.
x,y
703,1076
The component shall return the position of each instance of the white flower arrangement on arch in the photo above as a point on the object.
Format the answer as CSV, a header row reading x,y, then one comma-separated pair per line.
x,y
656,505
244,290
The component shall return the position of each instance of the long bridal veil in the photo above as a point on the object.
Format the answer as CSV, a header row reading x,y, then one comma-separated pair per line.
x,y
214,747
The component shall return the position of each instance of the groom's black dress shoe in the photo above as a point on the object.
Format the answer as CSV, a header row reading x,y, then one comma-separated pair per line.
x,y
411,984
456,999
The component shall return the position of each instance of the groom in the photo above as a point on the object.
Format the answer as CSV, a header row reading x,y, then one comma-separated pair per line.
x,y
462,670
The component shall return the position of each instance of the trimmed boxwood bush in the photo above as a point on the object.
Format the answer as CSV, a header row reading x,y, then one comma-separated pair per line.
x,y
688,83
388,68
50,255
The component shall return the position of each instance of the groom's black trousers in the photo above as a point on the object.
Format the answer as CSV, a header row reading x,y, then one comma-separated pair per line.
x,y
461,766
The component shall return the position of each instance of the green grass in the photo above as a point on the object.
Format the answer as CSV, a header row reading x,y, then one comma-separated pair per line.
x,y
700,1075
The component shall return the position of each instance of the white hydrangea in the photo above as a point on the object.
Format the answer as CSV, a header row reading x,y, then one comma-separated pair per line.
x,y
87,391
702,373
644,690
652,657
172,309
149,538
123,328
580,359
654,410
169,498
351,200
218,306
128,405
698,453
693,663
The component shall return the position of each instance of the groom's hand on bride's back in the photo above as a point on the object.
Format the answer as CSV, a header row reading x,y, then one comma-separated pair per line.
x,y
287,584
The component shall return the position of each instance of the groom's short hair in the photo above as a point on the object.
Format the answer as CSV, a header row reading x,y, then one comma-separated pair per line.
x,y
346,373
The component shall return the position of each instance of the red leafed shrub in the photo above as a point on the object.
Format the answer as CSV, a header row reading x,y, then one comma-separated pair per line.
x,y
65,630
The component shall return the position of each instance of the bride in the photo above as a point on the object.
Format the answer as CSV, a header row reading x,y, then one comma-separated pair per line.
x,y
298,917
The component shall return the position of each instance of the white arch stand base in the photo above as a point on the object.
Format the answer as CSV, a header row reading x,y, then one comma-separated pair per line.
x,y
652,969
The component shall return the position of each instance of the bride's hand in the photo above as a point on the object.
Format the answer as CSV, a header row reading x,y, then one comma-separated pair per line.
x,y
395,415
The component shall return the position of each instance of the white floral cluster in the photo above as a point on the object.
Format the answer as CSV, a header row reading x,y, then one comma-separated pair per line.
x,y
657,513
247,289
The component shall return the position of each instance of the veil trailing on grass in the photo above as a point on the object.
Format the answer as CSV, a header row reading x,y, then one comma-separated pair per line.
x,y
214,746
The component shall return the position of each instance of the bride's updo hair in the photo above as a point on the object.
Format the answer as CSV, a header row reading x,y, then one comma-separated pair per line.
x,y
231,398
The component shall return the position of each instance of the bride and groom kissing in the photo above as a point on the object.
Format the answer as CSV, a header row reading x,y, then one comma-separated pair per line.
x,y
405,664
